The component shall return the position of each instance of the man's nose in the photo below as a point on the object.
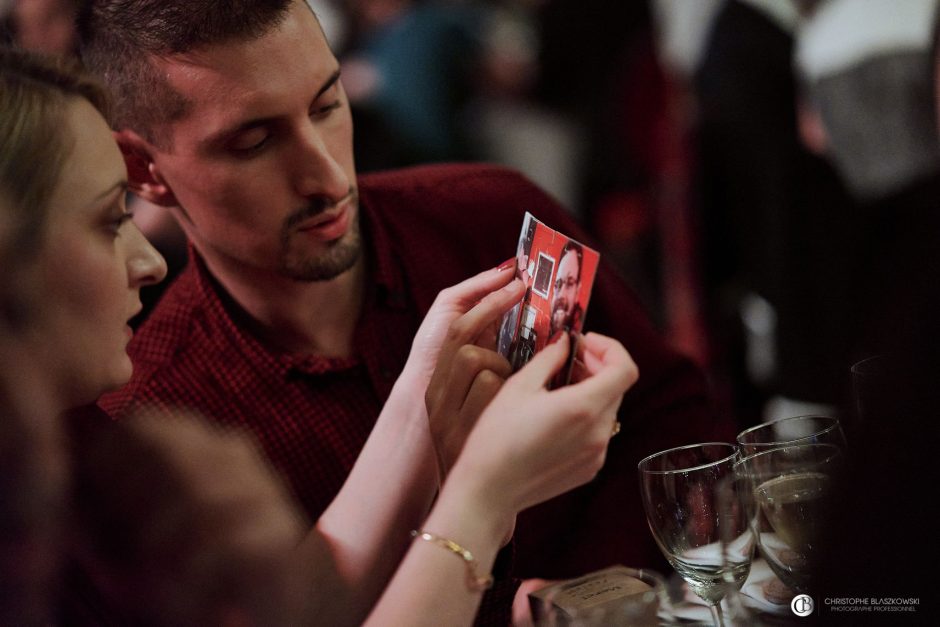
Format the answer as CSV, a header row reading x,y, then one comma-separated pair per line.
x,y
318,173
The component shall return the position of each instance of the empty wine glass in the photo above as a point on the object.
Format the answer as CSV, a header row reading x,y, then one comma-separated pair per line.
x,y
874,386
791,431
680,490
791,488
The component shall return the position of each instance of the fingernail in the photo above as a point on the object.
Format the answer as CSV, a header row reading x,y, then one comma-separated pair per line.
x,y
506,265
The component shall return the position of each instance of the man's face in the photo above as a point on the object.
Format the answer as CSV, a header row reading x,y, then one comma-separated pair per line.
x,y
261,166
565,296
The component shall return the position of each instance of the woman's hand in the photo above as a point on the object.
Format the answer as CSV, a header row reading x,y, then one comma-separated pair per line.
x,y
532,444
450,304
468,375
529,445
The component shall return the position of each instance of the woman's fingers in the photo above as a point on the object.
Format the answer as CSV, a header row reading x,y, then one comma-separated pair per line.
x,y
485,386
605,355
539,371
612,372
456,401
467,327
469,362
600,349
470,291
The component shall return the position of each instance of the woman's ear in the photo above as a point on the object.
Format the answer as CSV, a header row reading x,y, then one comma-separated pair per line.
x,y
143,175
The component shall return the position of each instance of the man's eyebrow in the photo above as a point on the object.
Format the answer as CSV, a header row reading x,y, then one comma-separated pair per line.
x,y
235,129
329,83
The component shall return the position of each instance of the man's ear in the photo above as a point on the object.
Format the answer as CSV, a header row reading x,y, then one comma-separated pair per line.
x,y
144,178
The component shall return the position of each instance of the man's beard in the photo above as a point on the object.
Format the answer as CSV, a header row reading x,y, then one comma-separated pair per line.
x,y
339,257
559,312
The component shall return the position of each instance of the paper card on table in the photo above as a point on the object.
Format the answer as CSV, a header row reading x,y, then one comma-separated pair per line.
x,y
614,593
559,274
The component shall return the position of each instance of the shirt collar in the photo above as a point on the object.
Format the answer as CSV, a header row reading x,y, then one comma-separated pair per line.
x,y
228,319
386,283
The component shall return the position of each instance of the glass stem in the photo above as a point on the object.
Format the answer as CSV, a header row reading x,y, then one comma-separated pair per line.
x,y
715,609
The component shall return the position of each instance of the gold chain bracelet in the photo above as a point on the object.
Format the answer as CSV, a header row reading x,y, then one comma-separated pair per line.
x,y
474,581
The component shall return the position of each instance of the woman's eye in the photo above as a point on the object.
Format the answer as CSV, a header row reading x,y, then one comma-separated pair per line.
x,y
114,226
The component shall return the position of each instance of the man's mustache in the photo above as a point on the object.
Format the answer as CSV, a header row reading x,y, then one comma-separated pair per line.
x,y
315,208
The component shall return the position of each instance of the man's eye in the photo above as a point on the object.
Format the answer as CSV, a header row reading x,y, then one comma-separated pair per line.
x,y
325,110
249,141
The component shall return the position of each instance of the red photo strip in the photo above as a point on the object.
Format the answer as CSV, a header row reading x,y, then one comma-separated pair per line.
x,y
558,273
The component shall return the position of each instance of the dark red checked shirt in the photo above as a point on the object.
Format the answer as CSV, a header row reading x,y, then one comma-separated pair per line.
x,y
425,229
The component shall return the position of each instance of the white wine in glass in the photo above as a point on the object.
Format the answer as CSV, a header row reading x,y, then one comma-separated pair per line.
x,y
792,489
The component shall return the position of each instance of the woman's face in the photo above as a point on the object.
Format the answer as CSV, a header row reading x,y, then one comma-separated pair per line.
x,y
92,264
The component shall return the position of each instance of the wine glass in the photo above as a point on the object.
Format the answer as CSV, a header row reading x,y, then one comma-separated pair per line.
x,y
791,488
791,431
738,541
681,498
873,386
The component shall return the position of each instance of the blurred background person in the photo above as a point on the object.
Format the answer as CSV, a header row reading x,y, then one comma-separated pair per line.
x,y
410,70
778,230
866,71
46,26
870,72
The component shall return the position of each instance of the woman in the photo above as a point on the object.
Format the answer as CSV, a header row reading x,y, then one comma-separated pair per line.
x,y
503,447
70,282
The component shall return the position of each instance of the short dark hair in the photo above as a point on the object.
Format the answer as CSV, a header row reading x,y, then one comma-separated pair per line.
x,y
120,38
575,247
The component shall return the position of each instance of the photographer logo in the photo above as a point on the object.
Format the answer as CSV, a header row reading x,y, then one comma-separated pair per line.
x,y
802,605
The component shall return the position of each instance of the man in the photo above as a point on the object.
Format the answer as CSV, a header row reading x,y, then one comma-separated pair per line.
x,y
306,284
566,304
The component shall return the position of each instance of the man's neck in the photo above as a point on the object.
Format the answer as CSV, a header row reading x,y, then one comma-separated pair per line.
x,y
308,317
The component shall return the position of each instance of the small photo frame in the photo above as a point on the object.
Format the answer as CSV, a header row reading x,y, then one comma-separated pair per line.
x,y
544,272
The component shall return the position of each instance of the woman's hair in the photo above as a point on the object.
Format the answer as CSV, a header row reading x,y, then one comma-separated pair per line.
x,y
34,145
181,519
